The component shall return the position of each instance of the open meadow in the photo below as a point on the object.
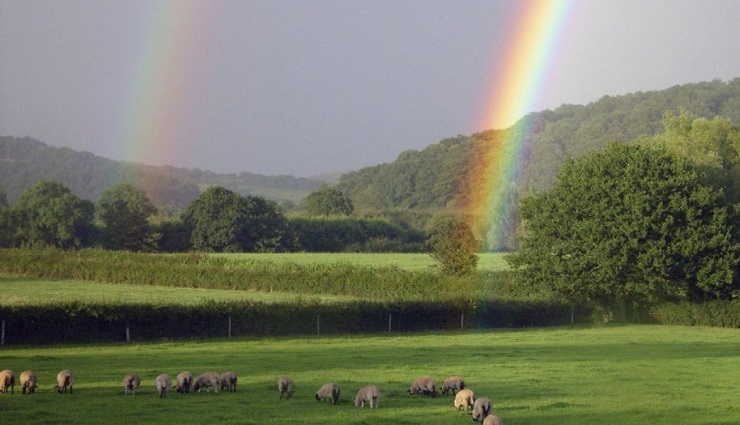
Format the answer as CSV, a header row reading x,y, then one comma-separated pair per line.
x,y
633,374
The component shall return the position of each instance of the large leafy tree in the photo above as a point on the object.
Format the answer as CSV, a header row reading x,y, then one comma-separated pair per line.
x,y
223,221
49,213
328,201
630,224
123,212
452,243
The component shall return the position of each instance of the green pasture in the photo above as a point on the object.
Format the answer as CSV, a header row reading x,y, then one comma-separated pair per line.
x,y
608,375
406,261
21,290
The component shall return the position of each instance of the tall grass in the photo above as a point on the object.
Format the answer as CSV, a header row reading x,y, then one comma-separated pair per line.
x,y
658,375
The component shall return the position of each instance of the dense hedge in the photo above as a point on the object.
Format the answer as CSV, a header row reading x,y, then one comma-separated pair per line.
x,y
711,313
80,322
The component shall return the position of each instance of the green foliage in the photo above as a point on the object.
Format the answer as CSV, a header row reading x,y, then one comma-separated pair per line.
x,y
123,211
50,214
223,221
451,242
630,224
342,234
717,313
328,201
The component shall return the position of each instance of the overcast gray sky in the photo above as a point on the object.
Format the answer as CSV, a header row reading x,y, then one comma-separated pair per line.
x,y
304,87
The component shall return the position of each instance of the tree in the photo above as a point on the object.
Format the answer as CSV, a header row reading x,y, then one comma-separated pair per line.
x,y
223,221
49,213
123,212
632,224
328,201
451,242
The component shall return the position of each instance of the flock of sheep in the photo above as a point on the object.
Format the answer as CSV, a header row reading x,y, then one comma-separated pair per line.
x,y
185,383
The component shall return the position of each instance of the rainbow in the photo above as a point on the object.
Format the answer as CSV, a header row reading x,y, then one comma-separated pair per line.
x,y
517,82
167,59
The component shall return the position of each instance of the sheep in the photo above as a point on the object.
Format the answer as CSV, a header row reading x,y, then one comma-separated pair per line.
x,y
131,382
7,379
285,386
481,409
205,380
183,382
493,420
28,382
454,384
370,394
228,381
464,399
65,381
162,384
424,385
328,391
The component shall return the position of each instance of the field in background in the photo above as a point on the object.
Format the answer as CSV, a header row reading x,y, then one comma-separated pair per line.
x,y
656,375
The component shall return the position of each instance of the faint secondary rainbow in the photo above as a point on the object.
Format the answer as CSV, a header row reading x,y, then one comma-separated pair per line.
x,y
522,70
166,59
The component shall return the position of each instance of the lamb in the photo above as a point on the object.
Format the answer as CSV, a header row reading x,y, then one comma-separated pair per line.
x,y
493,420
285,386
424,385
28,382
131,382
481,409
464,399
369,394
65,381
453,383
7,379
328,391
228,381
205,380
183,382
162,384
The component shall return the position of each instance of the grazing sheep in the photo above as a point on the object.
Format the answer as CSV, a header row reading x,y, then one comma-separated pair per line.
x,y
183,382
328,391
454,384
369,394
162,384
131,382
481,409
464,399
424,385
7,379
493,420
28,382
285,386
65,381
228,381
205,380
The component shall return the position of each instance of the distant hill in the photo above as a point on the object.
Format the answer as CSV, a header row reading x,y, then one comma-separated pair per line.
x,y
25,161
437,176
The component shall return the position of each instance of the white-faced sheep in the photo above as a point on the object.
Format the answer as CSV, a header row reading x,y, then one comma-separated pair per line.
x,y
65,381
493,420
285,386
183,381
7,379
424,385
228,381
464,399
28,382
481,409
329,391
454,384
369,394
162,384
206,380
131,382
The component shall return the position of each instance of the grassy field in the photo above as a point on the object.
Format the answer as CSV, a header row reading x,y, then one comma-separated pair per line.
x,y
412,262
609,375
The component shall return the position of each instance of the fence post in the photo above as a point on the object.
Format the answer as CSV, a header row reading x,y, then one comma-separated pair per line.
x,y
462,319
572,314
128,333
390,320
2,334
318,324
229,326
